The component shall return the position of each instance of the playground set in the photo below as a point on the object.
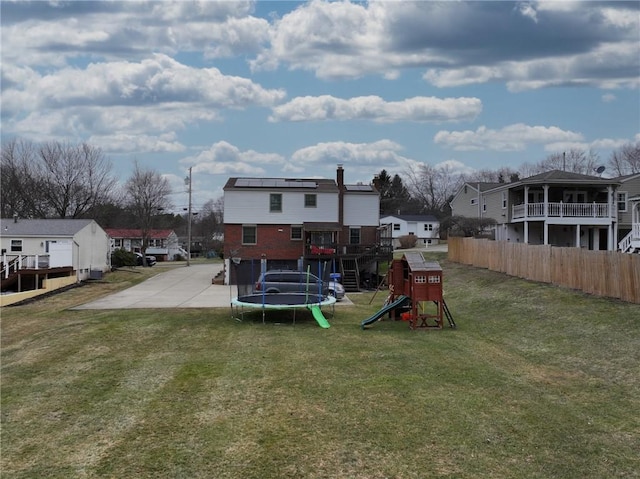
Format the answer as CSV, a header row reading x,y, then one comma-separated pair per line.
x,y
415,294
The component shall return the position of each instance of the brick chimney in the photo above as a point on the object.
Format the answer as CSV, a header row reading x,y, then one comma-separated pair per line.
x,y
340,181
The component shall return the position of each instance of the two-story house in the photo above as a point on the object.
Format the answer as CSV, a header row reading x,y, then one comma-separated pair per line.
x,y
553,208
628,205
294,222
426,228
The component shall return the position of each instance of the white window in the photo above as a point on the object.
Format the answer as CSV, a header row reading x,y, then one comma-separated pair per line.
x,y
504,200
428,227
474,201
16,246
275,203
434,279
249,234
296,232
621,199
310,201
396,226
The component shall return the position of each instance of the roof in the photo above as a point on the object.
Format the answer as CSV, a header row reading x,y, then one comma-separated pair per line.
x,y
417,262
42,227
560,176
136,233
280,184
410,218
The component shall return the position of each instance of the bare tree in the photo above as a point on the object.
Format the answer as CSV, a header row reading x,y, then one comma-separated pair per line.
x,y
146,194
54,179
432,186
574,160
19,186
626,160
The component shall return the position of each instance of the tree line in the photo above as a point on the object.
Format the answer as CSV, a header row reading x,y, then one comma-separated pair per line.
x,y
66,180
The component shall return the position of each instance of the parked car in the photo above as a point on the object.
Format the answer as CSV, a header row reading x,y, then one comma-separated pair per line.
x,y
289,281
151,260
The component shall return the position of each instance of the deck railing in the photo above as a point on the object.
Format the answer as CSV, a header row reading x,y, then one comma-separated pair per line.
x,y
561,210
13,263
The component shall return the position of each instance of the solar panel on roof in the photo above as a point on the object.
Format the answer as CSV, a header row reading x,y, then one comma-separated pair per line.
x,y
358,187
274,183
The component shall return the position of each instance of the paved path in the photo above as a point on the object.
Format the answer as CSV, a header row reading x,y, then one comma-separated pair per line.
x,y
182,287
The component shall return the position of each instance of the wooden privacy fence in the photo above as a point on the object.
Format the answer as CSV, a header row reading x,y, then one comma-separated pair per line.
x,y
602,273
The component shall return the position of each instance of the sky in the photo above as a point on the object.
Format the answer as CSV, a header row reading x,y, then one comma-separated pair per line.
x,y
292,89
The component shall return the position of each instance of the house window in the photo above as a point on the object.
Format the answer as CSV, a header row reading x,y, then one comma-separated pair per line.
x,y
296,232
621,199
117,243
275,203
434,279
428,227
484,204
354,235
16,246
249,234
310,201
504,200
420,280
396,226
474,201
47,243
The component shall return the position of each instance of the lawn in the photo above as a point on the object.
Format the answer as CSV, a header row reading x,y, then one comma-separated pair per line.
x,y
536,382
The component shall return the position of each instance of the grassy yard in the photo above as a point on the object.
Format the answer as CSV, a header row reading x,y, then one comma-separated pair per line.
x,y
536,382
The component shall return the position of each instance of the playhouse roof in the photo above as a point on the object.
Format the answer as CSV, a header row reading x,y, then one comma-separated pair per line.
x,y
416,262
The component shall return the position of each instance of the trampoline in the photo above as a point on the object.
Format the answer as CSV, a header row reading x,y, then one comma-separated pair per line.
x,y
307,293
280,301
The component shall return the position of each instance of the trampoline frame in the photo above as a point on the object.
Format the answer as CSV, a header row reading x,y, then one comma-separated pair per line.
x,y
238,306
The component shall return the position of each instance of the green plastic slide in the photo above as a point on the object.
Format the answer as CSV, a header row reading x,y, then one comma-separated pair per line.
x,y
322,321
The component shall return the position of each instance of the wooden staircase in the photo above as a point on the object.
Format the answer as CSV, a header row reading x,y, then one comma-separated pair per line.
x,y
350,275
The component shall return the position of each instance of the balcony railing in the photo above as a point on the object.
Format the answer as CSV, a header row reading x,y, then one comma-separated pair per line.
x,y
13,263
349,249
561,210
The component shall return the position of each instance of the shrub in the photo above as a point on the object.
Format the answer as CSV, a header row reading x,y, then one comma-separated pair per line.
x,y
122,257
408,241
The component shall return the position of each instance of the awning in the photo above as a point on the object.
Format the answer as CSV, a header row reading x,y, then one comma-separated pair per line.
x,y
321,227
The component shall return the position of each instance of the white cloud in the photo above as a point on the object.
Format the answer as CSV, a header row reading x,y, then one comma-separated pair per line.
x,y
374,108
225,158
122,99
510,138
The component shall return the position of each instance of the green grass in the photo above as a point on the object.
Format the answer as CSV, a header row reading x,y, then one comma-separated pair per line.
x,y
536,382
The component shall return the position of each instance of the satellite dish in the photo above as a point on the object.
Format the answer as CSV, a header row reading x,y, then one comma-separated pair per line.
x,y
600,169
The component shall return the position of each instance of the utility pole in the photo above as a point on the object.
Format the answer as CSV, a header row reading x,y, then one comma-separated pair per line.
x,y
187,180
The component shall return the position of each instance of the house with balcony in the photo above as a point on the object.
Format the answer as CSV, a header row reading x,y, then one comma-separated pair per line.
x,y
628,205
426,228
553,208
163,243
296,222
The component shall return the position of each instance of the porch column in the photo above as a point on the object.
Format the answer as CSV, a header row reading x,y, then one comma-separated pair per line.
x,y
526,231
526,205
546,231
577,236
546,201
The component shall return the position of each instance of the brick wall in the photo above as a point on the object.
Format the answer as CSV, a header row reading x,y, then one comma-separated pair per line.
x,y
273,240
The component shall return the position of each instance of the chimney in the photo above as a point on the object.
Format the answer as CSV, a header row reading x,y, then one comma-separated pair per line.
x,y
15,217
340,181
340,176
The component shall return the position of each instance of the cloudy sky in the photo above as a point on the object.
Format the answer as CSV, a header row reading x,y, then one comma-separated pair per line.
x,y
291,89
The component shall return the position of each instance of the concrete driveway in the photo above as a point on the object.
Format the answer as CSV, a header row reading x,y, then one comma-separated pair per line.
x,y
182,287
187,287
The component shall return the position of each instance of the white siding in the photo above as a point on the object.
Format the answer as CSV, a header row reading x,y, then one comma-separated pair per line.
x,y
253,207
361,210
92,251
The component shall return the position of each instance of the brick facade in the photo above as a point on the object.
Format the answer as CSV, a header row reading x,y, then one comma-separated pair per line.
x,y
273,240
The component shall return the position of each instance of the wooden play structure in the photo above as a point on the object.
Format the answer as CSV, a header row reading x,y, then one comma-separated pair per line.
x,y
421,281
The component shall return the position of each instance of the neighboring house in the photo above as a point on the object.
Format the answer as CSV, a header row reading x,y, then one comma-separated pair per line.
x,y
556,208
37,249
628,204
163,244
300,221
425,227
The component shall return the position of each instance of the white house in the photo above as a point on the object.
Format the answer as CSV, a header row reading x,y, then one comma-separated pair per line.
x,y
425,227
34,250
